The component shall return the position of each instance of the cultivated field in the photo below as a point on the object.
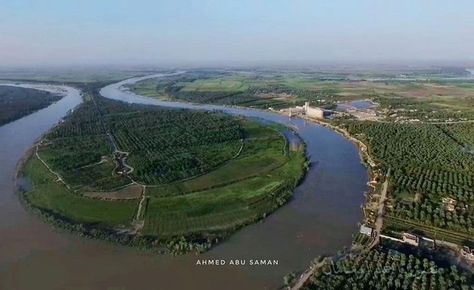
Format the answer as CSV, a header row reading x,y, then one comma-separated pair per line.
x,y
162,173
422,129
426,92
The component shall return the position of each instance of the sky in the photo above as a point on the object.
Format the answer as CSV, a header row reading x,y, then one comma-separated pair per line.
x,y
186,32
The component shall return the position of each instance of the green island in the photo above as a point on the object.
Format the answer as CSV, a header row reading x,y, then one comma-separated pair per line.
x,y
415,131
154,177
17,102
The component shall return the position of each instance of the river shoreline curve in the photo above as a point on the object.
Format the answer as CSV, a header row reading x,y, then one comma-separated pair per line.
x,y
310,224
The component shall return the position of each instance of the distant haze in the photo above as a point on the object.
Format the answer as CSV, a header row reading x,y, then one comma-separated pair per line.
x,y
188,32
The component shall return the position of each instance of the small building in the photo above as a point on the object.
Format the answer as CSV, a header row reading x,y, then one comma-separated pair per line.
x,y
365,230
410,239
449,203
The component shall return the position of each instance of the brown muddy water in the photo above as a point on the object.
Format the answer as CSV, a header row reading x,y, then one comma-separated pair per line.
x,y
320,219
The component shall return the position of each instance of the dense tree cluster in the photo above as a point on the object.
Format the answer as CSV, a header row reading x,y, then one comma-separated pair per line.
x,y
463,133
16,102
429,164
169,145
378,269
163,144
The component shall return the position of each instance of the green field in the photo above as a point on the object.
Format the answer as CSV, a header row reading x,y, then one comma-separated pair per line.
x,y
189,162
50,195
429,98
229,196
217,85
260,90
77,76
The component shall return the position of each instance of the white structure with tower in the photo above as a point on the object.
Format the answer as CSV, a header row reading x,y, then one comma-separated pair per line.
x,y
313,112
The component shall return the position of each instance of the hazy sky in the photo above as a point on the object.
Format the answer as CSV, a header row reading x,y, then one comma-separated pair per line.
x,y
63,32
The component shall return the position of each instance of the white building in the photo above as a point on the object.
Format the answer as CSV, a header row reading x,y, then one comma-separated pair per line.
x,y
410,239
365,230
313,112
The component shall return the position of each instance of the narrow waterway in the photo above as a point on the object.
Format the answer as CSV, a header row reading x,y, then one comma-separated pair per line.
x,y
320,219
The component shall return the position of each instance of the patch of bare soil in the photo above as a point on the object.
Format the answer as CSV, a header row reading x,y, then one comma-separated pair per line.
x,y
276,96
130,192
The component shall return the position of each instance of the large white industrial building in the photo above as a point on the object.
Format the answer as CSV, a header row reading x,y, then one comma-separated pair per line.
x,y
313,112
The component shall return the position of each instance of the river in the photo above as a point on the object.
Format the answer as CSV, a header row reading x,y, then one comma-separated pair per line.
x,y
320,219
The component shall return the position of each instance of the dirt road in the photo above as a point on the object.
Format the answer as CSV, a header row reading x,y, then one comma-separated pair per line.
x,y
307,274
380,212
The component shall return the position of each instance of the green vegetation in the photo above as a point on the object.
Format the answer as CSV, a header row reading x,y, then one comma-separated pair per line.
x,y
170,145
423,132
16,102
47,194
429,163
451,103
381,269
361,240
429,97
230,196
190,164
76,76
163,145
259,90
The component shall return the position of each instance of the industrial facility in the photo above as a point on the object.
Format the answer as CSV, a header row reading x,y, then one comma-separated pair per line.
x,y
307,110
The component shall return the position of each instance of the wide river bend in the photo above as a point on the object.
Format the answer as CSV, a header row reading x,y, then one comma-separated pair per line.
x,y
320,219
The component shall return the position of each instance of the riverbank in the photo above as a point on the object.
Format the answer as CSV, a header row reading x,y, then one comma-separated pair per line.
x,y
334,185
86,230
373,174
372,167
123,236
